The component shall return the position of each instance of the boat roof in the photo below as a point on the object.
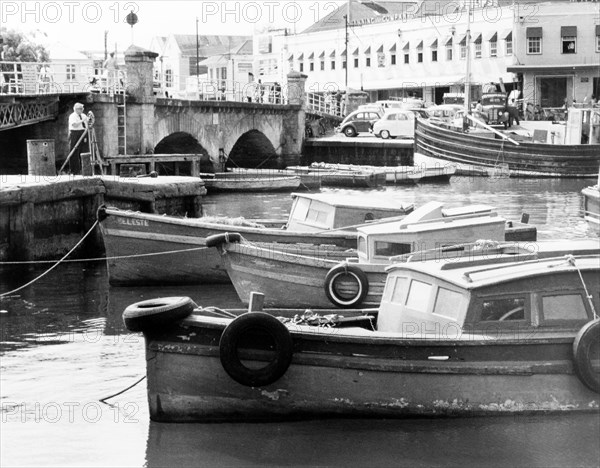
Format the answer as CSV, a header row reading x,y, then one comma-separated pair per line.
x,y
433,216
353,201
468,275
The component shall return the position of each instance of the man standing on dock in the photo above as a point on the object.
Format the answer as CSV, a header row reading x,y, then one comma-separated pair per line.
x,y
78,123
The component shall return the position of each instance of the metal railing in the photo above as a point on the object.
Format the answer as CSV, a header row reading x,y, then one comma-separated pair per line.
x,y
325,104
36,78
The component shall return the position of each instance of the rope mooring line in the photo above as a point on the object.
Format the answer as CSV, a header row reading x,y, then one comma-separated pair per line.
x,y
53,266
101,259
103,400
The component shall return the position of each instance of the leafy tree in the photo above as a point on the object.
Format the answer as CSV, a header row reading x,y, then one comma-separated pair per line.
x,y
17,48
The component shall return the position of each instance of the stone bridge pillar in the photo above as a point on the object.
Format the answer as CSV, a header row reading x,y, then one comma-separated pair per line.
x,y
294,122
140,103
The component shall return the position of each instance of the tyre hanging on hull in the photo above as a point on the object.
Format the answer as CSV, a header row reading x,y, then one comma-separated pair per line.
x,y
240,331
346,285
586,355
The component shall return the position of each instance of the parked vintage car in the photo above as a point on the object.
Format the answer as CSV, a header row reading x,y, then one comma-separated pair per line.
x,y
395,123
359,121
443,113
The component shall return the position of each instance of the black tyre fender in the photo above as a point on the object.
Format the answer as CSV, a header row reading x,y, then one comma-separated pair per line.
x,y
342,270
157,313
583,354
217,240
230,340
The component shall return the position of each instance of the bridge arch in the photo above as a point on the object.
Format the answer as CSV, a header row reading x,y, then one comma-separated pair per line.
x,y
254,150
184,143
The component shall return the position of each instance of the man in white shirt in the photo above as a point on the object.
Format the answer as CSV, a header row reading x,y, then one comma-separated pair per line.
x,y
78,124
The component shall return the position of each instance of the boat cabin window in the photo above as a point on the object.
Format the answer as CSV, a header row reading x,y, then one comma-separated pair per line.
x,y
301,208
418,296
448,304
563,307
317,216
362,245
390,249
505,309
395,289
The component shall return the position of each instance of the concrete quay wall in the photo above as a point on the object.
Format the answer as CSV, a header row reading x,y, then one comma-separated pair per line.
x,y
44,217
362,151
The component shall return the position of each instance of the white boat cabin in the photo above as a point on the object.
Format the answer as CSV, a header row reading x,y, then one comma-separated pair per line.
x,y
324,211
462,300
428,227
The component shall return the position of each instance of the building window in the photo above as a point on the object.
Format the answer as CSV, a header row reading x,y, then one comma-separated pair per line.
x,y
344,64
509,47
169,78
463,51
70,72
368,61
223,73
534,45
393,59
598,43
569,44
493,49
420,57
449,52
478,50
322,66
312,66
434,55
355,63
333,64
406,58
301,66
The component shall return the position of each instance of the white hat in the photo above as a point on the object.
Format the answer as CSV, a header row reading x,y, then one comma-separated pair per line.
x,y
78,105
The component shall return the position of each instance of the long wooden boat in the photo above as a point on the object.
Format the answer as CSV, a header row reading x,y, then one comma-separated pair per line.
x,y
487,152
144,248
228,182
307,181
591,205
447,340
399,174
291,280
332,177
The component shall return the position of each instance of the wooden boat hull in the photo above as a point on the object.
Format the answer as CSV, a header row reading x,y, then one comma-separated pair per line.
x,y
252,184
145,248
339,374
344,178
486,154
289,280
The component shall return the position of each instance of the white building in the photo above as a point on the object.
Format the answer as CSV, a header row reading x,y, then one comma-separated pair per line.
x,y
415,48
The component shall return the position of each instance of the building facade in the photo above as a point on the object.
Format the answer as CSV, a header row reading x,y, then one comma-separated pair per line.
x,y
557,52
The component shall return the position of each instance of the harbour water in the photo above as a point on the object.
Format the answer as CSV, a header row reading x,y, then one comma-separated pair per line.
x,y
63,347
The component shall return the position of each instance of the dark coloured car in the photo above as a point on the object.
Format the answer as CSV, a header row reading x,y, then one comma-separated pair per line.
x,y
359,121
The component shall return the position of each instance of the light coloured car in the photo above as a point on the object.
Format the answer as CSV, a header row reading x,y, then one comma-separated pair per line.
x,y
395,123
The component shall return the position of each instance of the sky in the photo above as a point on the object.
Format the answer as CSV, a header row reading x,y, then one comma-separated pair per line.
x,y
81,24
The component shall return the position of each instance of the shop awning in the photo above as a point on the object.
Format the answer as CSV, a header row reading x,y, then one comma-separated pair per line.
x,y
301,56
568,31
291,57
598,30
476,38
332,54
406,45
491,37
380,50
462,39
448,40
355,53
552,69
368,50
506,35
433,42
311,56
534,32
420,45
393,48
343,54
322,55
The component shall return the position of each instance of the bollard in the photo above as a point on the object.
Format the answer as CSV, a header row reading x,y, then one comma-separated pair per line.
x,y
525,218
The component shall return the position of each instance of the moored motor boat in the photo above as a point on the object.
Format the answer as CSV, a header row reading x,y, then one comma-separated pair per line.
x,y
449,339
591,205
291,280
143,248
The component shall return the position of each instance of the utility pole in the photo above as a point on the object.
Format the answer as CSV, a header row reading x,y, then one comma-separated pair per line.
x,y
468,77
105,45
347,19
197,59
